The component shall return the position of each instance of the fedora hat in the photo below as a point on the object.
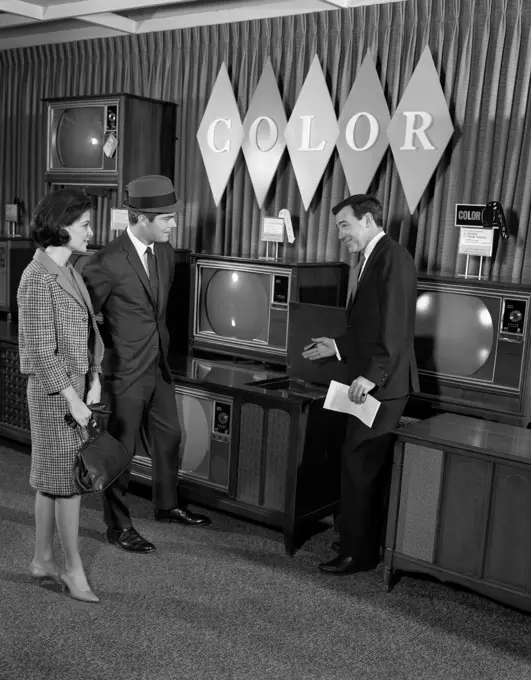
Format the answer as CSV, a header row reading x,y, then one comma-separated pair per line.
x,y
152,194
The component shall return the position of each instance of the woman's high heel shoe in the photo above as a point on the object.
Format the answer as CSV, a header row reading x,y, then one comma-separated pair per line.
x,y
75,592
48,573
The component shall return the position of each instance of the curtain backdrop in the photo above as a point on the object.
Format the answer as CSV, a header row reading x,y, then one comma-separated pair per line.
x,y
481,49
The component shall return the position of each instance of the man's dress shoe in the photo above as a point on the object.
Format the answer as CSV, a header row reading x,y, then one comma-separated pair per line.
x,y
344,564
183,516
130,540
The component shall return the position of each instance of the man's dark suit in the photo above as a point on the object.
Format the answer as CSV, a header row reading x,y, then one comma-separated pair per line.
x,y
378,345
138,376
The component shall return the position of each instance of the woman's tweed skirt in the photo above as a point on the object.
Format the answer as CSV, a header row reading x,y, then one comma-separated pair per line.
x,y
53,444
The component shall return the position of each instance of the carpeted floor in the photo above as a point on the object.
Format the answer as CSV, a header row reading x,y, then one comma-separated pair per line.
x,y
226,603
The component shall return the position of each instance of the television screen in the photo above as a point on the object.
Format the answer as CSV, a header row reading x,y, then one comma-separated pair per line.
x,y
236,304
455,334
80,137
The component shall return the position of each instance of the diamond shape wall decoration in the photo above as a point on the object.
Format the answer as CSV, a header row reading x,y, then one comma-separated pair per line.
x,y
263,133
363,125
220,134
420,130
312,132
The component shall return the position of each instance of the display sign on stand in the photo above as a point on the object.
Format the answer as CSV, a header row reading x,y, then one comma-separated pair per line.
x,y
12,218
272,232
477,243
119,220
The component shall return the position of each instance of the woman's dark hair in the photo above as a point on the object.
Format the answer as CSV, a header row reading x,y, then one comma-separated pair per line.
x,y
57,210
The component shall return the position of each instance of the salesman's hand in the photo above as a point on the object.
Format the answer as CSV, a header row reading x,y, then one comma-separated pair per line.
x,y
359,389
320,348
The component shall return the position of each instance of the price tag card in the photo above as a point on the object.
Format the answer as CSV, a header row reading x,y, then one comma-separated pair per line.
x,y
110,146
285,215
119,219
272,229
476,242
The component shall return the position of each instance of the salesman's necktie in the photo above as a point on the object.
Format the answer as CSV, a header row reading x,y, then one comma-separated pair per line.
x,y
153,273
355,275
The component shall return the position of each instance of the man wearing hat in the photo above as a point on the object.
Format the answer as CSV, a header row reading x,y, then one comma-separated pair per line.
x,y
129,281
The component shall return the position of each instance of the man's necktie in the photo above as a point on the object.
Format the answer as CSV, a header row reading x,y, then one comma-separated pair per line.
x,y
153,273
353,282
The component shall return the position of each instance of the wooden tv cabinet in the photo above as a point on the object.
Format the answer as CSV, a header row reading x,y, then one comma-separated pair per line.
x,y
460,506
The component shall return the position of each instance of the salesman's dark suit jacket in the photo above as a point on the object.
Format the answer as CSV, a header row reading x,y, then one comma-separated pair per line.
x,y
134,323
378,344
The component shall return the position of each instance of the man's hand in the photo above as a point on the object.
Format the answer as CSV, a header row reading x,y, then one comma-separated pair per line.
x,y
359,389
319,349
94,390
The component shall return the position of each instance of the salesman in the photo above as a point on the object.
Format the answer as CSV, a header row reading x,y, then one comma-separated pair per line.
x,y
378,357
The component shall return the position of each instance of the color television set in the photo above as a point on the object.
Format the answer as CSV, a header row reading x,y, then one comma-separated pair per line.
x,y
78,132
472,347
241,306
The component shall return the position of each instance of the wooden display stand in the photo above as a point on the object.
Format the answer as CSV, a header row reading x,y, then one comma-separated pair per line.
x,y
15,255
14,416
460,506
259,453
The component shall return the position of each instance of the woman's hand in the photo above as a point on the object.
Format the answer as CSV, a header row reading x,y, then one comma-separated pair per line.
x,y
80,411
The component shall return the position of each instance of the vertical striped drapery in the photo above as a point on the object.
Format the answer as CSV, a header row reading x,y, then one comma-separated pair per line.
x,y
481,49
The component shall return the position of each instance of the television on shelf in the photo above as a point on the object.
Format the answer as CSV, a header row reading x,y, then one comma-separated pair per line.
x,y
472,347
240,307
77,134
108,140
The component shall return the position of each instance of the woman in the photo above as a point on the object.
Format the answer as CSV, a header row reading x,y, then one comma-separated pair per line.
x,y
60,351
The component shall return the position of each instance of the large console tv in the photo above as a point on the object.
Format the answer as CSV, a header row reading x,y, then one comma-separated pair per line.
x,y
241,307
472,349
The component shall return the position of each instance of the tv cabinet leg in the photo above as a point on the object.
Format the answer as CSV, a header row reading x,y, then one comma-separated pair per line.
x,y
388,579
289,542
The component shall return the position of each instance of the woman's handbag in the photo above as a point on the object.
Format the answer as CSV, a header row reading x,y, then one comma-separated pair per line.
x,y
101,458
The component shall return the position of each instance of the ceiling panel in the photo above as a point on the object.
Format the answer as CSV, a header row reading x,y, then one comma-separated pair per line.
x,y
37,22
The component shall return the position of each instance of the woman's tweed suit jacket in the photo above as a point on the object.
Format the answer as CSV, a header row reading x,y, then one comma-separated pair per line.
x,y
59,343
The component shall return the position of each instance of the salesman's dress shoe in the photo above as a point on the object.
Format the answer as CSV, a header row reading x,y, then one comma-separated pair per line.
x,y
130,540
183,516
344,564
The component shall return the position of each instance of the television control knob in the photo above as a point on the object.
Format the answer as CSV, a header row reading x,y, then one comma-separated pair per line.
x,y
515,316
223,418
